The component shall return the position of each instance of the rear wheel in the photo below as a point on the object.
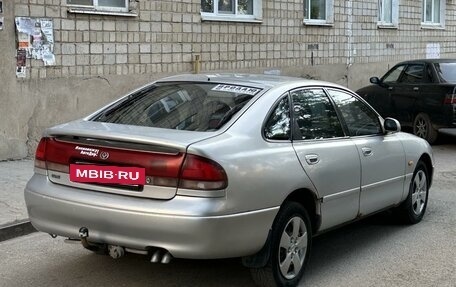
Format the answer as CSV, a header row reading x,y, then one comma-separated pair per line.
x,y
290,248
422,127
412,210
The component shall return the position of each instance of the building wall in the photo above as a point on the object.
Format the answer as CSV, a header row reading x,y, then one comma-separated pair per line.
x,y
99,58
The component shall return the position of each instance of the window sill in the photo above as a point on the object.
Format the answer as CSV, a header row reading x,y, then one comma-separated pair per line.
x,y
317,23
387,26
230,18
100,12
428,26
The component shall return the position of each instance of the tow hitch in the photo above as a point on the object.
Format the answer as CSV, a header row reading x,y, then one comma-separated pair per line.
x,y
98,248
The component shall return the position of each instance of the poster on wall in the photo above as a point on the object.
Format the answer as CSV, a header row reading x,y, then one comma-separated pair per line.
x,y
36,37
1,23
433,51
21,60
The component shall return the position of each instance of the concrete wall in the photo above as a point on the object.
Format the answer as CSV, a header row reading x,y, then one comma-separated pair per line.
x,y
99,58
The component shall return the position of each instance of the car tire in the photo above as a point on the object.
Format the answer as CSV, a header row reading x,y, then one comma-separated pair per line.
x,y
290,245
412,210
423,128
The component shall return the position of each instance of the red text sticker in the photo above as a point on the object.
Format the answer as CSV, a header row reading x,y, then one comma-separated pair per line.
x,y
107,174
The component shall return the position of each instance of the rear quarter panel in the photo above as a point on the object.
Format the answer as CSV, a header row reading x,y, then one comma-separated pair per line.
x,y
261,173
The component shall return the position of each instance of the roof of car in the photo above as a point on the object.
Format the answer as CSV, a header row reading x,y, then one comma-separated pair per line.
x,y
257,80
429,61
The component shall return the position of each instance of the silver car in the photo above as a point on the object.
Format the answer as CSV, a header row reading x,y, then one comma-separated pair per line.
x,y
218,166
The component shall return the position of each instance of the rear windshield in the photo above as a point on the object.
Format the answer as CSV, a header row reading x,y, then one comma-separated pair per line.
x,y
182,106
446,72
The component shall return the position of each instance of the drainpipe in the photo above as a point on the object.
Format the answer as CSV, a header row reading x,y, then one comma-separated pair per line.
x,y
349,35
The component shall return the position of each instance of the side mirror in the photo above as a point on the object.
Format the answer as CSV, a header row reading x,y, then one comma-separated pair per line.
x,y
375,80
392,125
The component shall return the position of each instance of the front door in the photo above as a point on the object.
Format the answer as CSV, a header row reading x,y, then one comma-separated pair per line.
x,y
382,156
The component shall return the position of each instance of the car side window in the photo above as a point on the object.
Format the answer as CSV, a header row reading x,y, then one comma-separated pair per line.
x,y
413,74
314,115
278,125
360,119
394,74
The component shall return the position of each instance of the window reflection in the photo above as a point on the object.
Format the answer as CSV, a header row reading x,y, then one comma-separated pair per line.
x,y
360,119
278,124
315,115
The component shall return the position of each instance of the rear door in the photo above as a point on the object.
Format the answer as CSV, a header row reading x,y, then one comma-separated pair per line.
x,y
382,156
329,158
411,85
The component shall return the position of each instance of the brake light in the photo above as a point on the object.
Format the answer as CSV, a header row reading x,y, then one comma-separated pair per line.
x,y
40,154
161,169
450,99
202,173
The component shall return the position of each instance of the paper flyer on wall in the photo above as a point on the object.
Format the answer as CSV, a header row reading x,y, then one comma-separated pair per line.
x,y
21,59
36,37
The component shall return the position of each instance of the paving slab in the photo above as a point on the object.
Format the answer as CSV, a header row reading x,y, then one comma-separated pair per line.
x,y
13,177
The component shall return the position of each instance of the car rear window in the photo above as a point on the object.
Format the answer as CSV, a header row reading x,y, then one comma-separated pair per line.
x,y
446,72
182,106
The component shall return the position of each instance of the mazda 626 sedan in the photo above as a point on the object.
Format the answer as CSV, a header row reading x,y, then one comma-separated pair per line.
x,y
218,166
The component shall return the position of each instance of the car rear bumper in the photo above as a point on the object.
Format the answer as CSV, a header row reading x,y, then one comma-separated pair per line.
x,y
448,131
188,227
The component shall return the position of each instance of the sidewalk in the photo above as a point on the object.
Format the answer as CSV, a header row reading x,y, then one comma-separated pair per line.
x,y
13,177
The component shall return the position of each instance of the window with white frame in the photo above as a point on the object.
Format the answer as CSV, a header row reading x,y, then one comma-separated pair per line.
x,y
433,12
318,11
101,5
231,10
388,12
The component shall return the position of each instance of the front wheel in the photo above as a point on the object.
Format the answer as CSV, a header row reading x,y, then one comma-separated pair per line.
x,y
412,210
290,248
423,128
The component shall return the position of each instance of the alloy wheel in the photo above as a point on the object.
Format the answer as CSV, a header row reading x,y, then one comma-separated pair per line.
x,y
421,128
419,192
293,247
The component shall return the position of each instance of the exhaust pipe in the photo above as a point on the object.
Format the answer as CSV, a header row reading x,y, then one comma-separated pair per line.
x,y
161,256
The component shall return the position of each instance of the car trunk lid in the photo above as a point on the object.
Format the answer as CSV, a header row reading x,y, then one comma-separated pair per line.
x,y
160,152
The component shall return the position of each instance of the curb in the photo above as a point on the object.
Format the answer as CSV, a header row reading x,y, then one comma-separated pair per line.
x,y
15,230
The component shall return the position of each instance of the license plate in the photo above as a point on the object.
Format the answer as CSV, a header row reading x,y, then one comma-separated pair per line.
x,y
107,174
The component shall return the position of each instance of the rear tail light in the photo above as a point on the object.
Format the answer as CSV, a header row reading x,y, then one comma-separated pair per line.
x,y
40,154
168,170
202,173
450,99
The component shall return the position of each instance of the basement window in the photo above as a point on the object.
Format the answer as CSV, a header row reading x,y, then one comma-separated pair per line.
x,y
98,5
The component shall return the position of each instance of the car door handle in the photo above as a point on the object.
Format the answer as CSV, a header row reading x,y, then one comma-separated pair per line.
x,y
312,159
367,151
416,89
